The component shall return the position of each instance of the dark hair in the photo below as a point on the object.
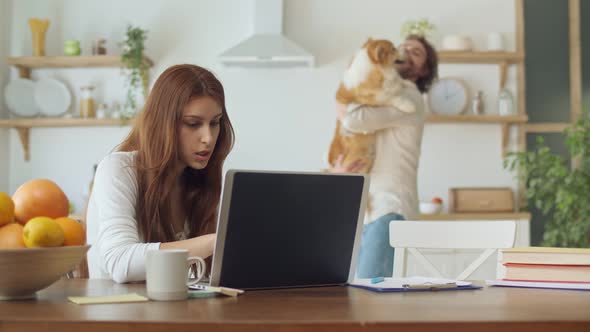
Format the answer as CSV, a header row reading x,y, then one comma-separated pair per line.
x,y
423,83
155,138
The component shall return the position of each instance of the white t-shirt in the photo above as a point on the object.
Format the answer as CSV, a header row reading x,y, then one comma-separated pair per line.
x,y
393,177
117,252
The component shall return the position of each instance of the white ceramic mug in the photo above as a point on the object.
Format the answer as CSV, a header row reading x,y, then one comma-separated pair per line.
x,y
167,274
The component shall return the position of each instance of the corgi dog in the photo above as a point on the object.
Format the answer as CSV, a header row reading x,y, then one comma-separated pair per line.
x,y
371,79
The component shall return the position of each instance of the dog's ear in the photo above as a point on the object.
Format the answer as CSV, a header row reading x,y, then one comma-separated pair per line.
x,y
382,51
369,41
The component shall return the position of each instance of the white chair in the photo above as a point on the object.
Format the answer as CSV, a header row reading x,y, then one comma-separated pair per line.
x,y
408,236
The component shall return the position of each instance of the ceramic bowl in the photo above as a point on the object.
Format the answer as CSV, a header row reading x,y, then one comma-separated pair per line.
x,y
26,271
430,208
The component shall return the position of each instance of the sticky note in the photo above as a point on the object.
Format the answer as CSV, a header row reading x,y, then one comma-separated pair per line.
x,y
122,298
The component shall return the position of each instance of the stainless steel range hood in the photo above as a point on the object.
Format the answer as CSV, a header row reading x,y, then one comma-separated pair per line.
x,y
267,47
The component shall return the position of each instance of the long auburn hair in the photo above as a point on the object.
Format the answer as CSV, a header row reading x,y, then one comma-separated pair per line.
x,y
155,137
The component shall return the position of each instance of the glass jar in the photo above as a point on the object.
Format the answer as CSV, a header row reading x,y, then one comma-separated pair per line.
x,y
72,47
505,103
477,104
101,111
87,102
115,110
99,47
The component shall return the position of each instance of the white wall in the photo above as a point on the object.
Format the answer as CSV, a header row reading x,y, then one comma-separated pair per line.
x,y
4,146
284,118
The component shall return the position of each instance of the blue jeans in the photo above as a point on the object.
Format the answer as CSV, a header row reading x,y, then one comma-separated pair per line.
x,y
376,255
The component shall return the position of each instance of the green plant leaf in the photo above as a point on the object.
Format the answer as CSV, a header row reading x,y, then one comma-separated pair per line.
x,y
559,191
135,66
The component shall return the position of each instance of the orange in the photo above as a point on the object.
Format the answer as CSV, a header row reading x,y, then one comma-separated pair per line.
x,y
11,236
42,232
6,209
39,197
74,232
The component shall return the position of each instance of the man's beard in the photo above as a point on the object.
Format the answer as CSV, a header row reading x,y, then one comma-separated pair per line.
x,y
406,72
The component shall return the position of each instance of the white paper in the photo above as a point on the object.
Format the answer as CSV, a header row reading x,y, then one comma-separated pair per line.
x,y
532,284
411,281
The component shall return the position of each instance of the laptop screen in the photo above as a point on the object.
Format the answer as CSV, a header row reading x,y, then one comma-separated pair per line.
x,y
288,229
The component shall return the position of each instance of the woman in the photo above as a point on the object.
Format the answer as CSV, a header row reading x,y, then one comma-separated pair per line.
x,y
161,189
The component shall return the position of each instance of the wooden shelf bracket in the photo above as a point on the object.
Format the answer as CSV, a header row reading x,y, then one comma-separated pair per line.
x,y
503,74
24,134
505,139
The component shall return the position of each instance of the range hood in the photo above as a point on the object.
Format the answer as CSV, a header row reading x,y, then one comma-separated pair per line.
x,y
267,47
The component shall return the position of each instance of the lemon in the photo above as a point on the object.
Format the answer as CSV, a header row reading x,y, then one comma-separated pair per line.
x,y
6,209
43,232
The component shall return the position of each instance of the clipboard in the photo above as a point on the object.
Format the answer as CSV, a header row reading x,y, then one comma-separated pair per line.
x,y
413,284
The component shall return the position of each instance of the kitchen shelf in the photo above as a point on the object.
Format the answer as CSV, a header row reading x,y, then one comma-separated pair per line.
x,y
482,57
477,216
468,118
547,127
505,121
503,60
23,126
24,64
60,122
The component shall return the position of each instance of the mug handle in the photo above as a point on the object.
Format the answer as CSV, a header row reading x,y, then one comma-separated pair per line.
x,y
200,270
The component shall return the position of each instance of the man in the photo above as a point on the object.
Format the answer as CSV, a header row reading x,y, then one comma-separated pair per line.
x,y
393,189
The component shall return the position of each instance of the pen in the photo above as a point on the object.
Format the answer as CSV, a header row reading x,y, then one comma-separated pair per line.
x,y
429,286
223,290
377,280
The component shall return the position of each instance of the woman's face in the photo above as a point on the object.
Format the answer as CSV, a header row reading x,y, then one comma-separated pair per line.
x,y
199,130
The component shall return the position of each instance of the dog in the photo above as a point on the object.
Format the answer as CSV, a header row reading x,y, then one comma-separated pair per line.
x,y
371,79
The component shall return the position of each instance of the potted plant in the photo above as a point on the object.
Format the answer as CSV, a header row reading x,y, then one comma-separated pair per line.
x,y
558,190
420,27
136,69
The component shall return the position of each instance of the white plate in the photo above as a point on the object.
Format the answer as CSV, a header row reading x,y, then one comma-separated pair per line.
x,y
52,97
19,97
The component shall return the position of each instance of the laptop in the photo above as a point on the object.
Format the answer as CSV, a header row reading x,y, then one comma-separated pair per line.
x,y
288,229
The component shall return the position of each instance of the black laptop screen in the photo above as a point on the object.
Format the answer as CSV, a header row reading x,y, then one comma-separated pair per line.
x,y
287,230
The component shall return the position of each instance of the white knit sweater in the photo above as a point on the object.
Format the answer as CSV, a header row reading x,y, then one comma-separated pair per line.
x,y
393,177
117,252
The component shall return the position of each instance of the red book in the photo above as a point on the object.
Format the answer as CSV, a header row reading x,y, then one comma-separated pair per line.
x,y
547,272
547,255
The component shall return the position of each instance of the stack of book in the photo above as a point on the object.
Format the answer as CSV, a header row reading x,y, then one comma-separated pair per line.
x,y
542,267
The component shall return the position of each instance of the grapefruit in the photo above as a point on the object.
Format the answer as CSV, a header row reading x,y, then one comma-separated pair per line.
x,y
39,197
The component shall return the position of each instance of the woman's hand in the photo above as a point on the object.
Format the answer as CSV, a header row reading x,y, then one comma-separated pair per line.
x,y
353,167
201,246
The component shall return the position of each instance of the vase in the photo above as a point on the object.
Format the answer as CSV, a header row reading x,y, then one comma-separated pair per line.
x,y
72,47
495,41
38,28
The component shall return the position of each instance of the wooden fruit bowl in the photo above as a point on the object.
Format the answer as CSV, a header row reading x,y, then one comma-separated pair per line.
x,y
23,272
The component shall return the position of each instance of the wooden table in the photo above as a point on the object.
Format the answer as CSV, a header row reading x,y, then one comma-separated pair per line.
x,y
319,309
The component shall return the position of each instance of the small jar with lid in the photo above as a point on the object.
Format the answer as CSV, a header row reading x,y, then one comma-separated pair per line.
x,y
477,104
99,47
101,111
87,109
